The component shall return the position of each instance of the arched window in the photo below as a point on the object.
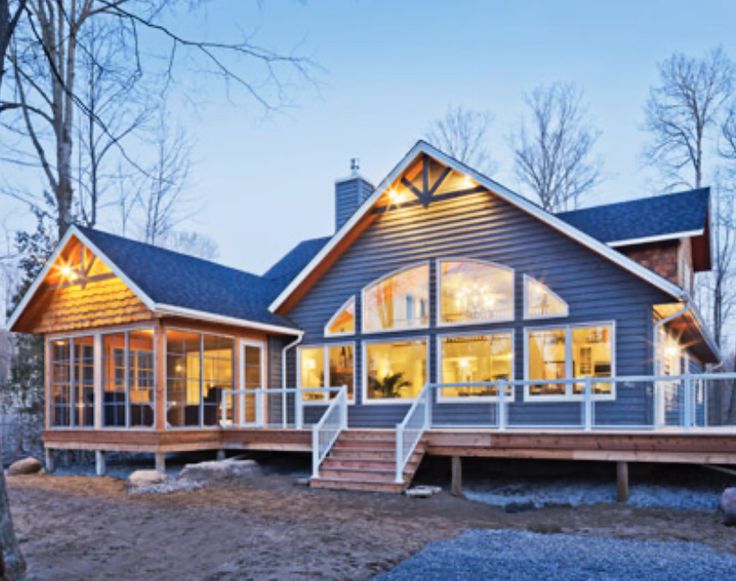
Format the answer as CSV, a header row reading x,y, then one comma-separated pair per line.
x,y
473,291
540,301
343,321
397,301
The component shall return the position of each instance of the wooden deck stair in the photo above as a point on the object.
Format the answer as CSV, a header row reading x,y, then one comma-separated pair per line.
x,y
365,460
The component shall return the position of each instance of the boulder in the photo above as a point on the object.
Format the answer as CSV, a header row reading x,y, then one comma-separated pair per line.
x,y
728,507
422,491
27,465
218,470
141,478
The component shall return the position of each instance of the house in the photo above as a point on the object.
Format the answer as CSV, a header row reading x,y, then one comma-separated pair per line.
x,y
445,315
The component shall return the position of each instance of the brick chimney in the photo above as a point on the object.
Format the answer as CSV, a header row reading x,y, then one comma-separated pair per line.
x,y
350,193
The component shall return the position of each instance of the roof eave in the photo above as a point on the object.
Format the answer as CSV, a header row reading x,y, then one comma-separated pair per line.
x,y
175,311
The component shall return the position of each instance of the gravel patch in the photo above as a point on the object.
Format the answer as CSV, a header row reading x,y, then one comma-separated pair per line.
x,y
478,554
534,494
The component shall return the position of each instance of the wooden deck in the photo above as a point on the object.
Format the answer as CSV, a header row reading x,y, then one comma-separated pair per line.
x,y
712,446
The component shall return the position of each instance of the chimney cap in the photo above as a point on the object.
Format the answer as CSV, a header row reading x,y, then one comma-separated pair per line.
x,y
354,166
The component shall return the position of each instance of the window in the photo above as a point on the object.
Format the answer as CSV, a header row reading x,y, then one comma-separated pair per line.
x,y
199,367
337,359
72,382
540,301
395,369
474,292
343,321
569,352
475,358
399,301
128,379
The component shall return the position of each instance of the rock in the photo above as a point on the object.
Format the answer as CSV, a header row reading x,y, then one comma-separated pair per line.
x,y
141,478
27,465
728,507
301,482
422,491
219,469
514,507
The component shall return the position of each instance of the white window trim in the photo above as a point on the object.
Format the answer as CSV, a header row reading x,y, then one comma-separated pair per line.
x,y
387,276
97,337
527,316
569,396
438,293
326,362
165,330
365,400
474,398
340,309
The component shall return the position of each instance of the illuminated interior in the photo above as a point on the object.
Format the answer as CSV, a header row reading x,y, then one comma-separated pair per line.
x,y
477,358
340,362
540,301
399,301
72,382
343,322
576,352
198,368
474,291
395,369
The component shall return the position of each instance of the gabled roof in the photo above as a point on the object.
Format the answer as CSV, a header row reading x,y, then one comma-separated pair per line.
x,y
670,216
177,284
423,148
295,260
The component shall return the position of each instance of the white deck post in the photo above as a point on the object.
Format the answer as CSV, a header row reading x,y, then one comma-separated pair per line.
x,y
399,447
298,409
687,415
588,405
315,452
501,406
344,408
428,409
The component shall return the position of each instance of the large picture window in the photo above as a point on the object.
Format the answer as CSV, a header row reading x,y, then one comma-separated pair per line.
x,y
72,382
395,370
475,292
128,379
578,352
327,366
398,301
473,359
540,301
199,367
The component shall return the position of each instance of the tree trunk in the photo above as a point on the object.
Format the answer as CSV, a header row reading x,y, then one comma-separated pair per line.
x,y
12,563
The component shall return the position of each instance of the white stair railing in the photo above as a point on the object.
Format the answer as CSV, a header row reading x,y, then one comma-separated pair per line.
x,y
325,432
410,431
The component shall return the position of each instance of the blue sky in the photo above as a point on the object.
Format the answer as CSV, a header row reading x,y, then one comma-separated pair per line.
x,y
389,69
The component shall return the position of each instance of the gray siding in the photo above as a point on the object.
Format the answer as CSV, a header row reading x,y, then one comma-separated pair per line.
x,y
484,227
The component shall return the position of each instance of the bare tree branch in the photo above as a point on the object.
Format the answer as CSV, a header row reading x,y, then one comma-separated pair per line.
x,y
463,134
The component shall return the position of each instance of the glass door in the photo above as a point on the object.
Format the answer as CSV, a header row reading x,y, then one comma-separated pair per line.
x,y
252,379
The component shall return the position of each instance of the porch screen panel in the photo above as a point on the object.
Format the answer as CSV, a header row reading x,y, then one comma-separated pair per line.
x,y
84,381
141,374
113,397
217,367
61,397
253,379
183,372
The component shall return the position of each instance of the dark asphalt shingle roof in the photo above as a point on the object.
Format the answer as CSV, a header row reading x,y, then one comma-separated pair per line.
x,y
655,216
180,280
291,264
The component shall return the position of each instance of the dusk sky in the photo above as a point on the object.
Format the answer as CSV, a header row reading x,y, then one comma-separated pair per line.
x,y
390,68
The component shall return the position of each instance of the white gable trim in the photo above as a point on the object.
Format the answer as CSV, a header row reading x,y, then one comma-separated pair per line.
x,y
73,231
502,192
659,238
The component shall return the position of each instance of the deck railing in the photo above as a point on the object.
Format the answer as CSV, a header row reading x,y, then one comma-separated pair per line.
x,y
409,432
327,430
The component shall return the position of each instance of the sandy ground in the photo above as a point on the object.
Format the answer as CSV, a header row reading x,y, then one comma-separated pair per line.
x,y
265,527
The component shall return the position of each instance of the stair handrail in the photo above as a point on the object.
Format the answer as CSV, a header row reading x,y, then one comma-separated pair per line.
x,y
418,419
328,429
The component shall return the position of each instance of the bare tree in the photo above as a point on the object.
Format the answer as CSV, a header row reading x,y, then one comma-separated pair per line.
x,y
463,134
681,111
10,14
553,149
192,243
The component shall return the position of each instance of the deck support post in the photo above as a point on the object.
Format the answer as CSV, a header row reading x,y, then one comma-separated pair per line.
x,y
622,481
456,488
100,463
49,460
220,455
161,462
